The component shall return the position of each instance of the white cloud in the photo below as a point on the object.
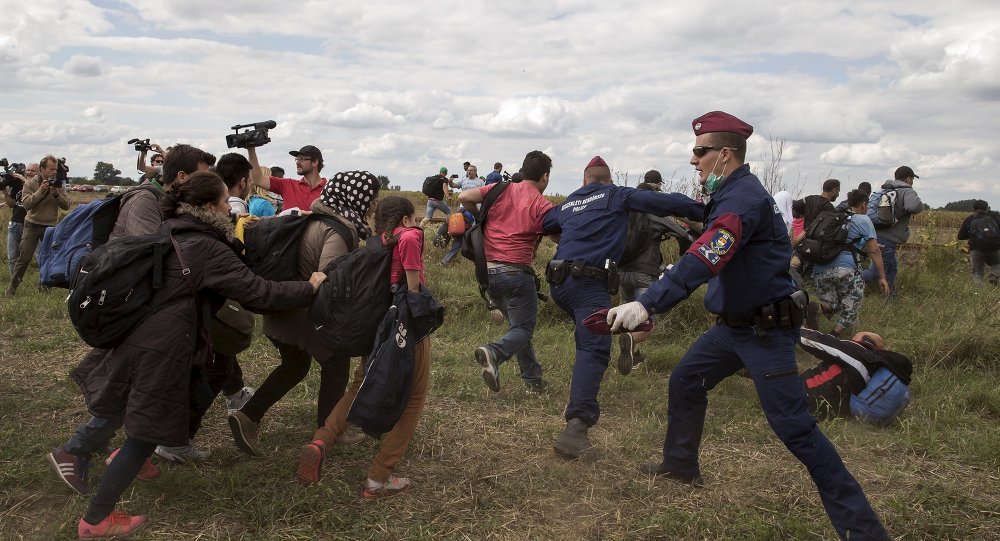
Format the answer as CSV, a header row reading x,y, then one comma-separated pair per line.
x,y
539,116
84,66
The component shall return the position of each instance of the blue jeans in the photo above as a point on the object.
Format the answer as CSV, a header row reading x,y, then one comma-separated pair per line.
x,y
581,297
981,258
718,354
517,298
14,231
92,436
440,205
456,246
870,274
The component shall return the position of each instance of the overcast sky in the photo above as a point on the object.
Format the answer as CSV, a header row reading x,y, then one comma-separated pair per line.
x,y
855,89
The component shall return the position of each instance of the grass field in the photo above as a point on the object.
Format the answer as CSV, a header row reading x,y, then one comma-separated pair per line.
x,y
483,464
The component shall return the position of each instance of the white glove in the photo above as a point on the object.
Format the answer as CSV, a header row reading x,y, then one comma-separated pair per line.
x,y
627,315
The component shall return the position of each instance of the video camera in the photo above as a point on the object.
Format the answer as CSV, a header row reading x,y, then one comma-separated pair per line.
x,y
141,145
255,136
9,170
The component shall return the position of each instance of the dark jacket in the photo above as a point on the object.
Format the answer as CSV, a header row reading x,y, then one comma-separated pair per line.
x,y
145,380
965,231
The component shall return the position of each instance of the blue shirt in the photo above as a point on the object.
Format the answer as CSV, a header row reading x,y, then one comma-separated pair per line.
x,y
593,220
259,206
743,254
859,230
493,178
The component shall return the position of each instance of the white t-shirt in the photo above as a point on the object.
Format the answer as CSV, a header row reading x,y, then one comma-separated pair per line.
x,y
237,206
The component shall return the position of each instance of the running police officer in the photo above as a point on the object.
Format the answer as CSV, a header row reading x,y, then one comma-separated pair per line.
x,y
583,276
744,255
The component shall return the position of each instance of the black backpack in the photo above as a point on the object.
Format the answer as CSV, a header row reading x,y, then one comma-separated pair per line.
x,y
349,305
984,232
473,244
432,186
637,237
112,291
272,244
826,237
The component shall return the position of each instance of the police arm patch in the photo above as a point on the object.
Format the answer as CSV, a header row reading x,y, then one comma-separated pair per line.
x,y
717,245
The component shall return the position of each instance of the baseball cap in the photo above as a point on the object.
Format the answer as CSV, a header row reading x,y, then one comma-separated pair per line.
x,y
443,170
904,172
653,177
308,151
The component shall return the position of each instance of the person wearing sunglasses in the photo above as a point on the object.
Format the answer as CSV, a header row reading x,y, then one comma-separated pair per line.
x,y
743,255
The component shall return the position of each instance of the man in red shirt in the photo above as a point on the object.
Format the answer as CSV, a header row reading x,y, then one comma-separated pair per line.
x,y
510,238
297,193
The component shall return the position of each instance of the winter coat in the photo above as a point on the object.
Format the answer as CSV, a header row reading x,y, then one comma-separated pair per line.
x,y
319,246
145,380
909,202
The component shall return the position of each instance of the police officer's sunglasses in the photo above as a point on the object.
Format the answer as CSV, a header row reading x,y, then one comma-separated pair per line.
x,y
700,151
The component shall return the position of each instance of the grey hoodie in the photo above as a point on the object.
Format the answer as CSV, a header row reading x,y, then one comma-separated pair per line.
x,y
907,200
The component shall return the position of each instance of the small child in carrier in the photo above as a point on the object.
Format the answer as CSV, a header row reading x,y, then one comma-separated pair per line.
x,y
396,222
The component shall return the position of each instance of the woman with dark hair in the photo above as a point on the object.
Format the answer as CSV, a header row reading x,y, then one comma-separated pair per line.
x,y
347,197
145,381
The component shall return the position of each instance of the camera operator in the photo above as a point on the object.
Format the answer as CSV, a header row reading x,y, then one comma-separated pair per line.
x,y
296,193
155,168
12,197
42,197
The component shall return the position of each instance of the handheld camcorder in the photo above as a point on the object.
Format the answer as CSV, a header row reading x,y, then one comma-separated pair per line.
x,y
140,144
9,170
254,136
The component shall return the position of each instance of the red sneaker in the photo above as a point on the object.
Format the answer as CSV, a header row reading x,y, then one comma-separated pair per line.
x,y
311,463
395,485
115,525
148,472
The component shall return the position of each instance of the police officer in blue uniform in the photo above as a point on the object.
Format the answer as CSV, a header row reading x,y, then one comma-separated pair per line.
x,y
583,276
743,255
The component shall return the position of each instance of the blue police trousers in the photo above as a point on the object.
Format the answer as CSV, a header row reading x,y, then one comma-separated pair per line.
x,y
580,297
719,353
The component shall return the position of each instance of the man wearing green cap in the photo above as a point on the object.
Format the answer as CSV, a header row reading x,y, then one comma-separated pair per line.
x,y
435,188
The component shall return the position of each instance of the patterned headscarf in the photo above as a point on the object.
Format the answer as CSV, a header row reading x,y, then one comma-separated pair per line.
x,y
351,194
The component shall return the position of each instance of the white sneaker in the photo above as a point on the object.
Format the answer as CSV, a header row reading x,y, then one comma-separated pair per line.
x,y
183,454
237,400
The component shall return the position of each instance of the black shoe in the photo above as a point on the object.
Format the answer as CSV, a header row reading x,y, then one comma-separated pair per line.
x,y
537,386
574,444
626,357
656,469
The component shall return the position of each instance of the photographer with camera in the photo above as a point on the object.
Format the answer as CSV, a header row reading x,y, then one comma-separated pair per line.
x,y
11,186
308,162
155,168
42,197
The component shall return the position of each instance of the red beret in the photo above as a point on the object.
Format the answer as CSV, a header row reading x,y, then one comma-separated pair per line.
x,y
717,121
597,161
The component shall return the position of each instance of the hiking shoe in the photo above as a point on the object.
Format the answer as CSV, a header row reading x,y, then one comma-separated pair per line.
x,y
238,399
626,355
490,373
72,469
352,436
574,444
114,526
812,316
184,454
657,469
244,433
537,386
148,472
395,485
311,463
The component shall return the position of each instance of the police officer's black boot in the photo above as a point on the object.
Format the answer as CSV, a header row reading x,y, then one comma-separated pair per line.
x,y
574,444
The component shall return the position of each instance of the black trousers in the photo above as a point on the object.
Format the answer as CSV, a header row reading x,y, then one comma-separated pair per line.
x,y
295,364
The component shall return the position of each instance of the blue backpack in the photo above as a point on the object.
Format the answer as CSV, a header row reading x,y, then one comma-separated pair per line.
x,y
882,399
86,227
